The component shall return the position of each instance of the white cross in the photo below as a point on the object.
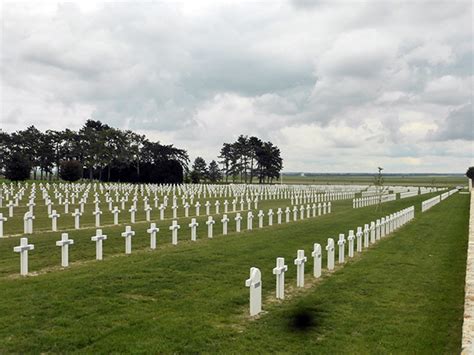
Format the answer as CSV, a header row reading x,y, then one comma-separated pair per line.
x,y
210,222
372,232
279,213
66,206
249,220
237,219
162,211
23,249
279,271
128,234
10,208
2,219
97,214
316,254
226,204
302,209
28,223
54,220
350,239
198,205
359,239
147,212
76,214
260,218
132,211
224,221
217,204
330,250
270,217
366,236
255,285
193,225
64,244
186,209
152,231
295,213
299,262
175,211
174,232
377,229
341,242
98,238
329,207
208,205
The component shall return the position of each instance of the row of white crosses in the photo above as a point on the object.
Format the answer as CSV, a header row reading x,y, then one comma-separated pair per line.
x,y
99,238
380,229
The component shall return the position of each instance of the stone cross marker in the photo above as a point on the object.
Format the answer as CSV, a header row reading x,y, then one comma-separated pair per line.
x,y
28,223
77,215
270,217
64,244
193,225
2,219
279,213
174,232
198,206
299,262
372,232
210,226
366,236
132,211
350,239
97,212
23,249
260,218
255,285
152,231
98,239
54,220
162,211
208,206
147,212
359,239
330,250
10,208
128,234
287,215
249,220
295,213
238,219
224,221
317,255
279,271
217,204
341,242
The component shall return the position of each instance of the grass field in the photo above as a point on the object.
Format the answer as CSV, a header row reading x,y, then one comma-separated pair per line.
x,y
403,294
407,180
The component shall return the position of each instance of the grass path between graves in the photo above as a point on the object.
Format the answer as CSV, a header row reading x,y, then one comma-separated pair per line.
x,y
404,296
405,293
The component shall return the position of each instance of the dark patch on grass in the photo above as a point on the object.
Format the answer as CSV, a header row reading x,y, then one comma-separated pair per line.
x,y
304,318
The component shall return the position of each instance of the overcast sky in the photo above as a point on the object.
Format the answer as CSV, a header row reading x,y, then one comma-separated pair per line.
x,y
339,86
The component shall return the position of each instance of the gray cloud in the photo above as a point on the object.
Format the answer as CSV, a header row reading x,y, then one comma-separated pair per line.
x,y
358,77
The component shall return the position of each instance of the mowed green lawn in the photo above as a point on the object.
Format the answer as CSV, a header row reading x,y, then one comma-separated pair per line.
x,y
403,294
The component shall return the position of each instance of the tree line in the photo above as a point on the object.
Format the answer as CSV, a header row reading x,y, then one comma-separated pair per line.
x,y
98,151
246,159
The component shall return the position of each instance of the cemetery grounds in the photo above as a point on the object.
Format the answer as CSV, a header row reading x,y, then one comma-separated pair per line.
x,y
403,294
